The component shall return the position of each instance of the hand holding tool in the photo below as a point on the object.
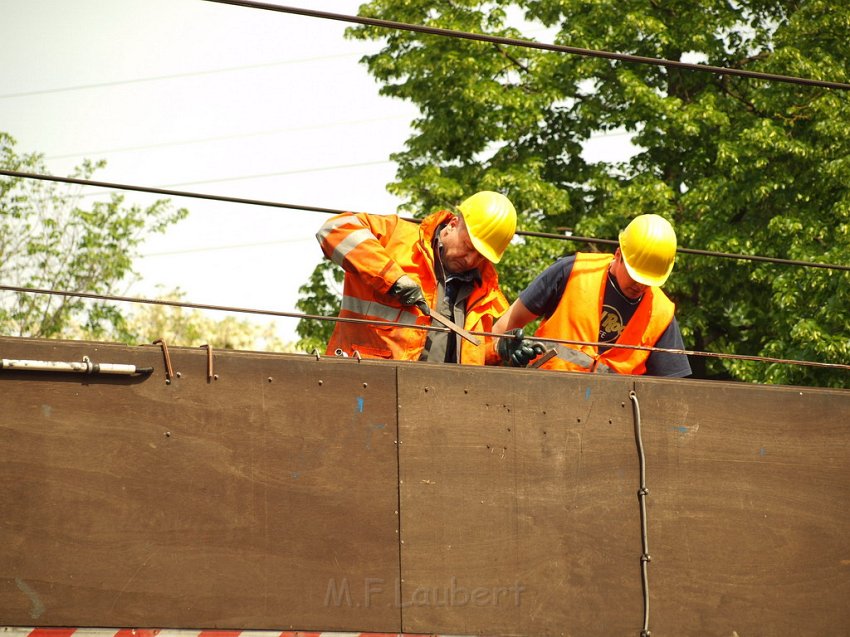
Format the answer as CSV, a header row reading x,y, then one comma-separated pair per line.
x,y
515,351
454,327
407,291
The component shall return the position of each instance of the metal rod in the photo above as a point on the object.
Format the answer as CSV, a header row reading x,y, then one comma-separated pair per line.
x,y
333,211
169,370
337,319
80,367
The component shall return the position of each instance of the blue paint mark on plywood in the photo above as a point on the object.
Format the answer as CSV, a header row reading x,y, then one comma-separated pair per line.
x,y
685,430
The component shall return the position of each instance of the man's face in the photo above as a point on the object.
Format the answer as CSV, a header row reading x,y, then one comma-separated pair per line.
x,y
628,285
459,255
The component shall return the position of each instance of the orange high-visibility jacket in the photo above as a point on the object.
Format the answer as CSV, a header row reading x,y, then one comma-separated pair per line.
x,y
374,251
580,310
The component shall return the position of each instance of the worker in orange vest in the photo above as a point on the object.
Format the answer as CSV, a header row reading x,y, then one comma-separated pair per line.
x,y
605,299
397,271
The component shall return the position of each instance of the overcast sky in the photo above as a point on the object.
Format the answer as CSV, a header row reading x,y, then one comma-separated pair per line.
x,y
212,98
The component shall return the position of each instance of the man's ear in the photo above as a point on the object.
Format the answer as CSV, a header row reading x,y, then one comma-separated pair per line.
x,y
454,221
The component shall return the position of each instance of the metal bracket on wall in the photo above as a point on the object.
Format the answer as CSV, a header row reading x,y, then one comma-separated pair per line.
x,y
169,371
210,374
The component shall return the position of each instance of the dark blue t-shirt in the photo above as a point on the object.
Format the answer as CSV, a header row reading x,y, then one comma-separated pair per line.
x,y
542,296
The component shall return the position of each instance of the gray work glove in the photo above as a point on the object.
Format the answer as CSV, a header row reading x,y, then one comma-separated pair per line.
x,y
515,351
408,291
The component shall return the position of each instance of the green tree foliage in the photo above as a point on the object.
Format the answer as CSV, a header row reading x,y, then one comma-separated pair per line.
x,y
319,297
738,165
49,241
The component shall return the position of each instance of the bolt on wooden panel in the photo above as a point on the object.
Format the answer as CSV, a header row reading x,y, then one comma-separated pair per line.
x,y
265,497
747,510
519,513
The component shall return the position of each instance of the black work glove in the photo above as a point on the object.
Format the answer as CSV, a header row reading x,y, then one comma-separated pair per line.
x,y
408,291
515,351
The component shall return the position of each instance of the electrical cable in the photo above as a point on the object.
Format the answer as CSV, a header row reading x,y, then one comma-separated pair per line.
x,y
337,319
296,171
695,251
173,76
277,131
166,191
644,533
333,211
452,33
231,246
223,138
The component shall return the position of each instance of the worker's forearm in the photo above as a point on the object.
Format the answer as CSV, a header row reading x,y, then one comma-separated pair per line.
x,y
517,316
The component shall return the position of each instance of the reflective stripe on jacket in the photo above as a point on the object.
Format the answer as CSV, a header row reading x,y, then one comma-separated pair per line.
x,y
580,309
374,251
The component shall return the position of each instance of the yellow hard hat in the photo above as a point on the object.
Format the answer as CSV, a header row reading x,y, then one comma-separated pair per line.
x,y
490,219
648,247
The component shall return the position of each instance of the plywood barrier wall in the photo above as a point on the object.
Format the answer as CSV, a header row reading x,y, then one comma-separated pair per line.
x,y
250,501
527,498
336,495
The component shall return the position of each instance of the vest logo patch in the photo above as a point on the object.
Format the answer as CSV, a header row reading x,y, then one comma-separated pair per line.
x,y
611,324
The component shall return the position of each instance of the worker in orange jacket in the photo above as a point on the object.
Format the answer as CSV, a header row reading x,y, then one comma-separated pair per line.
x,y
392,266
606,299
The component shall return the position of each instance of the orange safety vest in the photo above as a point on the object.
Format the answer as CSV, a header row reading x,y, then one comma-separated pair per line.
x,y
374,251
580,309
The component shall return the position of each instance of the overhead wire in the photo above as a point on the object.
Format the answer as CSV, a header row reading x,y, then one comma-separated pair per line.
x,y
222,138
531,44
309,208
338,319
281,173
232,246
266,133
172,76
